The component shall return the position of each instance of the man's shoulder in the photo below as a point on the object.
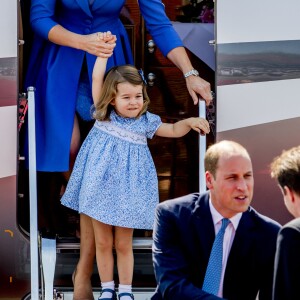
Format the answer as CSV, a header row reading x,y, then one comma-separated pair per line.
x,y
186,200
189,202
264,222
293,224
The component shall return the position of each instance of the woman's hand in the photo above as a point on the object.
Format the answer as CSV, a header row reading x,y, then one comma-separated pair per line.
x,y
195,84
198,86
91,43
100,44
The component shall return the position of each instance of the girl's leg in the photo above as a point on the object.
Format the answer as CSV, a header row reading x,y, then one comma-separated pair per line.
x,y
104,246
84,269
123,246
104,255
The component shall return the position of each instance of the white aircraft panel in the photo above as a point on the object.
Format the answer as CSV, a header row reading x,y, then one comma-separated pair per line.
x,y
241,21
248,104
8,138
8,28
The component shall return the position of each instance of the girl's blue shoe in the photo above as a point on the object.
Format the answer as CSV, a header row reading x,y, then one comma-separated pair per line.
x,y
126,294
113,294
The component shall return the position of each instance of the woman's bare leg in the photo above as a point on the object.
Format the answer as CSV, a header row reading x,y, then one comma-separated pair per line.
x,y
74,147
123,246
104,250
84,269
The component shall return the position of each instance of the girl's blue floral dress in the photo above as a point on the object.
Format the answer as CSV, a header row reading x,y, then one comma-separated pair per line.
x,y
114,178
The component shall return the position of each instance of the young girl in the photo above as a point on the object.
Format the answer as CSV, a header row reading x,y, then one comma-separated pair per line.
x,y
114,179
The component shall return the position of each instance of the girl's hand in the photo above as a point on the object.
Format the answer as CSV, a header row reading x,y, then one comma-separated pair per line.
x,y
199,124
99,44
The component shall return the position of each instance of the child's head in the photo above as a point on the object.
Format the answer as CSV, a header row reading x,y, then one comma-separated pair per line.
x,y
122,84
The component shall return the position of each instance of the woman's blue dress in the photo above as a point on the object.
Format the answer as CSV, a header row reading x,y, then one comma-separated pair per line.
x,y
55,70
114,179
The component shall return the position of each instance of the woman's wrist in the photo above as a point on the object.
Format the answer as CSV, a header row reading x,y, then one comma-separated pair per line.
x,y
192,72
80,42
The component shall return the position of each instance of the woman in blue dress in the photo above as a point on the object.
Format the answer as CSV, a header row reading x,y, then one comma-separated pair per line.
x,y
63,54
65,40
114,179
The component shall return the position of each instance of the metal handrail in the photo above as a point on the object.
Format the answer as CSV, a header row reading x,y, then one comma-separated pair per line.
x,y
202,149
34,265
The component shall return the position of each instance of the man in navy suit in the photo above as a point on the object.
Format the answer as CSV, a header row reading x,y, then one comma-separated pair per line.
x,y
185,230
286,170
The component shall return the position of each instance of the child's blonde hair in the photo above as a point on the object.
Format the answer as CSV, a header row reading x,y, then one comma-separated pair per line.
x,y
116,75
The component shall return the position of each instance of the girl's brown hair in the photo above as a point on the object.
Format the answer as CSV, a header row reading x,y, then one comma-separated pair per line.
x,y
116,75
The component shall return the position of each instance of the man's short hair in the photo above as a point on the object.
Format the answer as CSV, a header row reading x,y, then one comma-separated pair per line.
x,y
285,168
215,151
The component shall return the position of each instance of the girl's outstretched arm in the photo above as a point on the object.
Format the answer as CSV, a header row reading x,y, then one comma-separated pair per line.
x,y
100,67
182,127
97,78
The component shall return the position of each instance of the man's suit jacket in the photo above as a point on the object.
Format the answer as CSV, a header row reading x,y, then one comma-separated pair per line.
x,y
287,263
182,241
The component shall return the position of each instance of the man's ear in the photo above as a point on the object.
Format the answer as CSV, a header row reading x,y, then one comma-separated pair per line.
x,y
289,193
209,179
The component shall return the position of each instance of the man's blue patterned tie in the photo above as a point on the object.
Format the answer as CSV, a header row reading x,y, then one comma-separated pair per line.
x,y
212,278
